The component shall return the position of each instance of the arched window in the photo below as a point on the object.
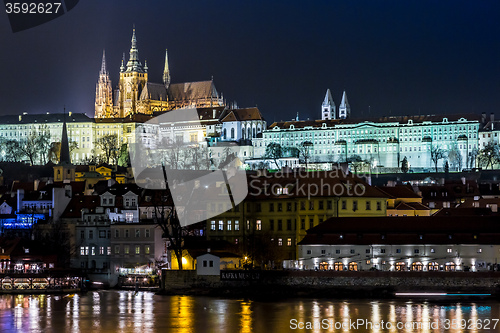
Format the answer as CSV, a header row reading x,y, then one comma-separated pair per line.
x,y
433,266
232,133
225,133
400,266
353,266
242,133
338,266
249,133
417,266
323,266
253,130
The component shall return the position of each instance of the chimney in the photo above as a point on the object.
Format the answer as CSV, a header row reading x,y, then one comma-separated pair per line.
x,y
483,117
492,116
20,118
208,250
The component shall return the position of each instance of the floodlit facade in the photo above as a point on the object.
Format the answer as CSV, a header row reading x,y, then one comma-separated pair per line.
x,y
444,243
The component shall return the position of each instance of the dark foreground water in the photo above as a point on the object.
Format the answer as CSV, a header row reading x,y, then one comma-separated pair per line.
x,y
123,311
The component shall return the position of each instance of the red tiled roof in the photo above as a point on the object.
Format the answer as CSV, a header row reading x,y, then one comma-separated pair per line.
x,y
405,230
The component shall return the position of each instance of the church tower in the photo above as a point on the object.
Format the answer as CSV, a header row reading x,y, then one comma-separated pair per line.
x,y
344,108
133,78
103,92
166,72
64,171
328,107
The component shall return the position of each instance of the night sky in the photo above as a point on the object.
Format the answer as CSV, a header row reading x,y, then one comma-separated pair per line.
x,y
392,57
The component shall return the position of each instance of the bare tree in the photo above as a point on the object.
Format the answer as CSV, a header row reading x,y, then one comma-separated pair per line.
x,y
305,151
54,152
455,157
165,216
356,162
43,143
29,146
198,157
109,146
437,154
13,151
471,158
489,156
173,153
274,152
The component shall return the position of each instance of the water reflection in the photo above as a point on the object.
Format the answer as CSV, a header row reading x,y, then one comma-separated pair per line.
x,y
110,311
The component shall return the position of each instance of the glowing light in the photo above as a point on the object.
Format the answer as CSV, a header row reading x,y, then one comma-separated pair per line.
x,y
184,260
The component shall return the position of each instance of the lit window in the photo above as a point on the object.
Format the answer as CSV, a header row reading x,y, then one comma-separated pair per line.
x,y
212,225
289,242
479,250
137,249
258,225
108,252
449,250
221,225
82,250
93,250
147,249
126,249
129,217
280,241
236,225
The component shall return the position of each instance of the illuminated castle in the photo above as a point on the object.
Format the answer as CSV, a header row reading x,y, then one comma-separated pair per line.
x,y
135,94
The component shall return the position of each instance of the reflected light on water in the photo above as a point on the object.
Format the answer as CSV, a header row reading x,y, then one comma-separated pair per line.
x,y
246,317
122,311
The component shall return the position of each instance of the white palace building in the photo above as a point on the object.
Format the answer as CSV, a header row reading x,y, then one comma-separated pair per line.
x,y
380,143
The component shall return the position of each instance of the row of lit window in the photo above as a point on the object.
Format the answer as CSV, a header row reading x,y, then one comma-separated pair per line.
x,y
383,251
102,250
104,233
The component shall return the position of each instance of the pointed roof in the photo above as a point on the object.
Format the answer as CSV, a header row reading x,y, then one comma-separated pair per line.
x,y
133,64
328,98
344,102
64,156
103,64
192,91
166,70
154,91
243,114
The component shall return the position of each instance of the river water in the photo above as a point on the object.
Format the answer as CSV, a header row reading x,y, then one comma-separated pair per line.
x,y
124,311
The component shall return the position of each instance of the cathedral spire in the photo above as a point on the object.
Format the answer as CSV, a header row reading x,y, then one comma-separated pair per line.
x,y
166,71
122,67
64,156
344,108
133,64
328,107
103,64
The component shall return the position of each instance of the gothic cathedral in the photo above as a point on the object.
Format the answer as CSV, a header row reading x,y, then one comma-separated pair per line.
x,y
135,95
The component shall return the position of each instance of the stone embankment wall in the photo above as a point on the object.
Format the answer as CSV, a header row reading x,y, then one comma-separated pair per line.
x,y
328,284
